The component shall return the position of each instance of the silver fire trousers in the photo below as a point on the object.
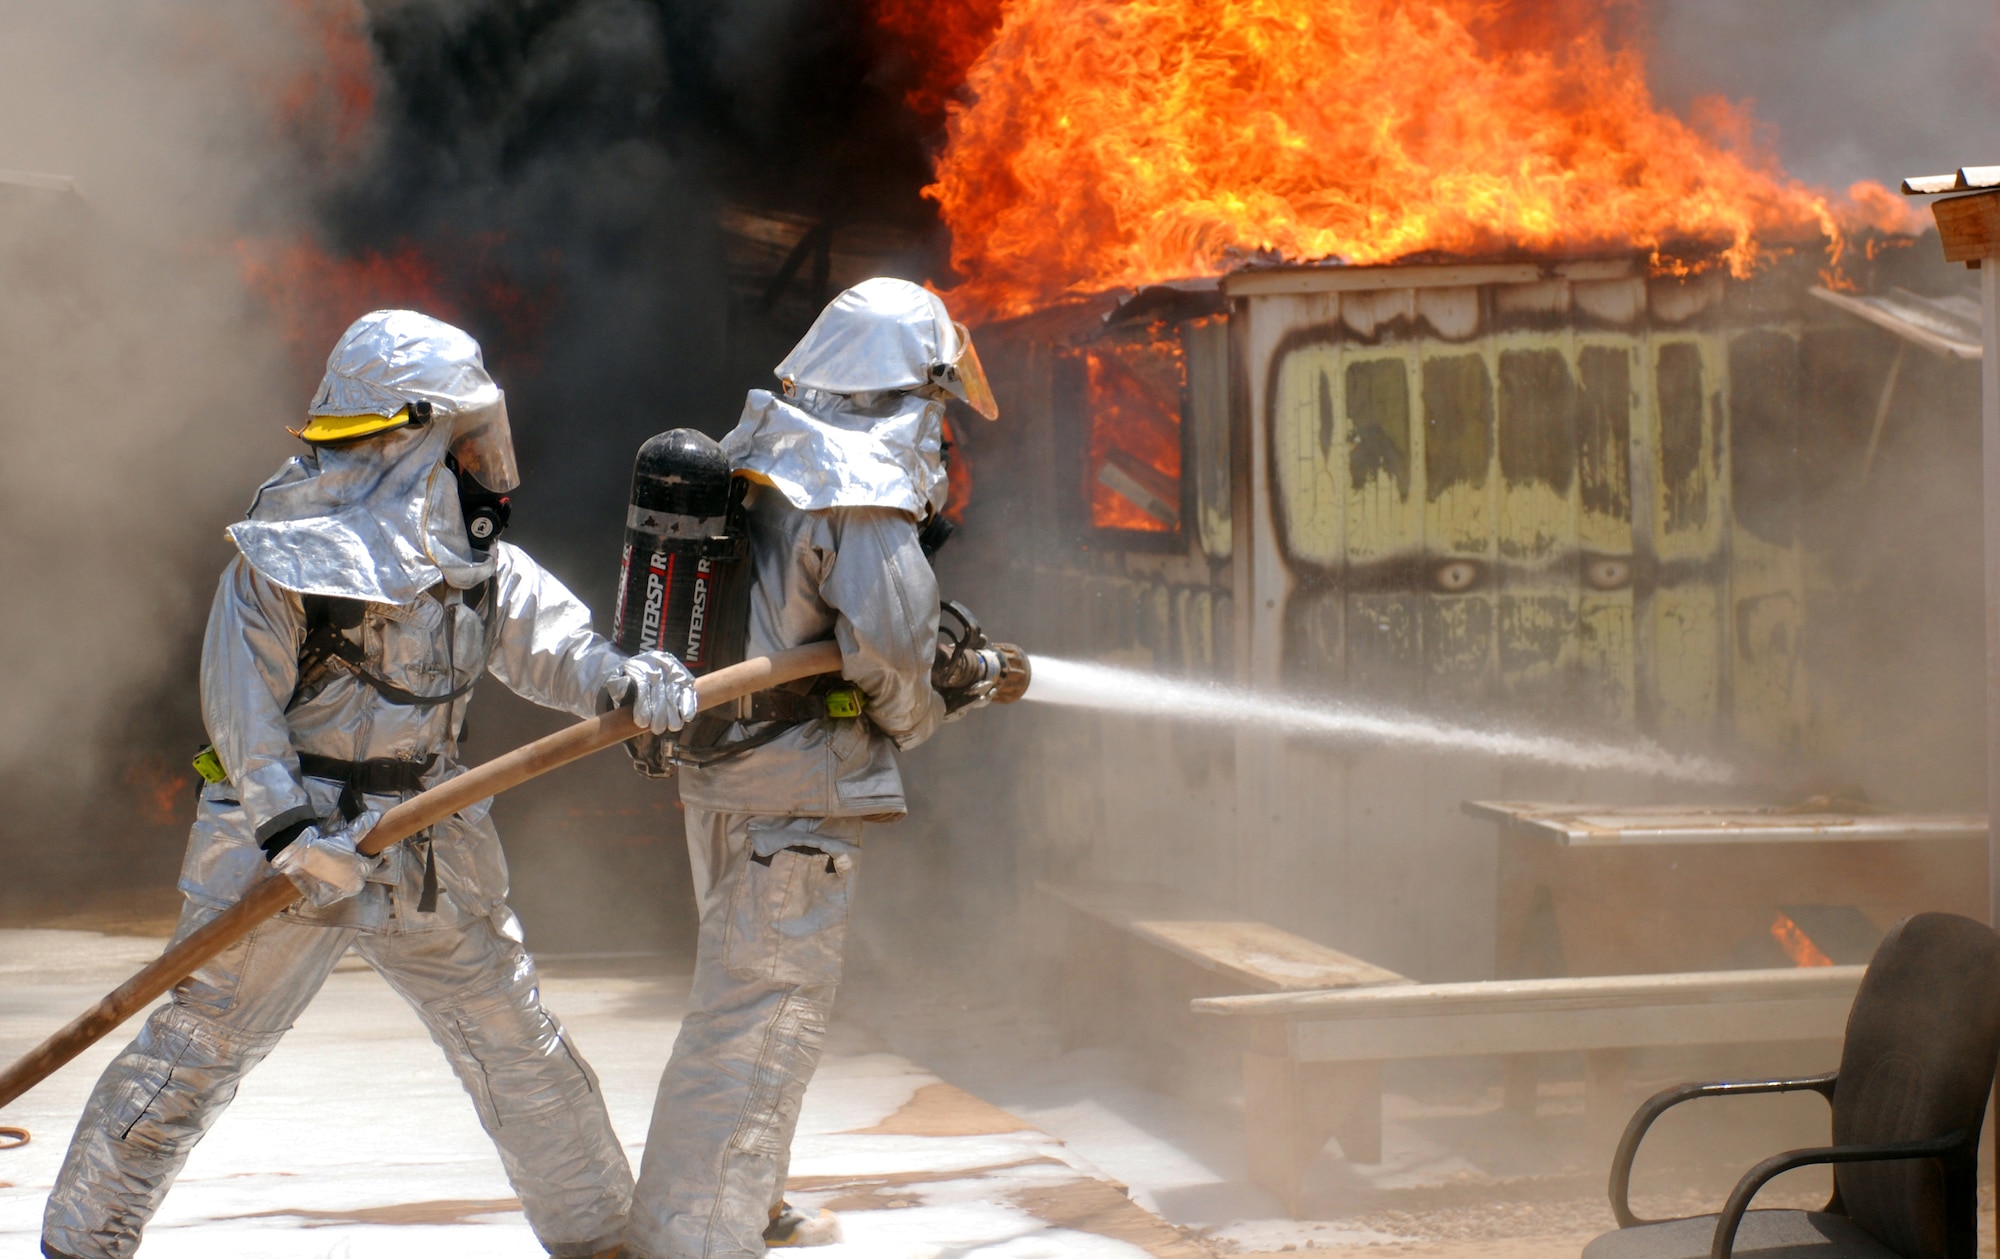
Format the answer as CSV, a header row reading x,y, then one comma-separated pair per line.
x,y
476,991
773,926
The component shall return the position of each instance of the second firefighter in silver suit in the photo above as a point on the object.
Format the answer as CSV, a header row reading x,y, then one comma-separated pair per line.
x,y
846,465
368,594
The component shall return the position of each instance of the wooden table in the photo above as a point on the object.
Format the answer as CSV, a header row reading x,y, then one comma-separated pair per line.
x,y
1620,889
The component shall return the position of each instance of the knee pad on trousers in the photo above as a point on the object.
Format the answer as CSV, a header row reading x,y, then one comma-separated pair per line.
x,y
201,1059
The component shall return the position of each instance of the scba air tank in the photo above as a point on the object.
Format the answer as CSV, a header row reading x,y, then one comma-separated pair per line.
x,y
684,581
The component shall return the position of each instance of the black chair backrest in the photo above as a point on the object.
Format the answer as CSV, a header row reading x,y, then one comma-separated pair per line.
x,y
1918,1063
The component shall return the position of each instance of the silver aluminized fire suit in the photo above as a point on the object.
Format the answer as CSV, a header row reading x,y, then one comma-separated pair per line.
x,y
360,522
844,471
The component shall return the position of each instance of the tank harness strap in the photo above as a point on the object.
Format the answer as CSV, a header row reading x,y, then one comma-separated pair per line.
x,y
779,711
327,645
710,751
382,776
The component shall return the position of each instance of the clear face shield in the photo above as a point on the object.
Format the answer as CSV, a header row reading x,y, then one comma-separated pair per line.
x,y
972,377
483,447
963,378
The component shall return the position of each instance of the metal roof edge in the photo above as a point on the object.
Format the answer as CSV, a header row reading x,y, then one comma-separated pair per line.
x,y
1964,179
1876,313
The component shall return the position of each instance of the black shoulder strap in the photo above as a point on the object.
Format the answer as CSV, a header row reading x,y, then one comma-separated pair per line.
x,y
328,619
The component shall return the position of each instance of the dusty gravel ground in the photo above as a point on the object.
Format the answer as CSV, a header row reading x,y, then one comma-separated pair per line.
x,y
1462,1175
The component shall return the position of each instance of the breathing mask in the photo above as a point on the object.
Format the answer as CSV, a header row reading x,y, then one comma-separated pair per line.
x,y
486,511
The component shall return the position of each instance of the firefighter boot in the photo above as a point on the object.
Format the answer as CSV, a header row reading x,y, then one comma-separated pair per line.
x,y
790,1228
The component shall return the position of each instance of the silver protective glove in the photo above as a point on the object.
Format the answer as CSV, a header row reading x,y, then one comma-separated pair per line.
x,y
661,688
324,865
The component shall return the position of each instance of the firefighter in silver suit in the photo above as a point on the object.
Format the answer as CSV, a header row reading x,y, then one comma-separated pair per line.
x,y
846,465
369,592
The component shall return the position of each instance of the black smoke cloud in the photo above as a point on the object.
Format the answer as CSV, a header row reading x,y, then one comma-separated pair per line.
x,y
584,147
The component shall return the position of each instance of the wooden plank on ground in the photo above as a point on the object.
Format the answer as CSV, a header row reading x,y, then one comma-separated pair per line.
x,y
1556,1015
1257,955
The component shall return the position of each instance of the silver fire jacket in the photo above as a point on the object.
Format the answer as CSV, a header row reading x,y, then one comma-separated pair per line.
x,y
528,630
856,575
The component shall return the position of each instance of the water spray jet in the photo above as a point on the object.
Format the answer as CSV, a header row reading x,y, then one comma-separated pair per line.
x,y
1105,688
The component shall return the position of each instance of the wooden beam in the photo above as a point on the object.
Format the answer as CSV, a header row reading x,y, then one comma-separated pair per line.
x,y
1548,996
1882,404
1371,279
1556,1015
1255,955
1969,226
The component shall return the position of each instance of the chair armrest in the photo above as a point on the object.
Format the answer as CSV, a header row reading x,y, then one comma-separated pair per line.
x,y
1726,1224
1659,1103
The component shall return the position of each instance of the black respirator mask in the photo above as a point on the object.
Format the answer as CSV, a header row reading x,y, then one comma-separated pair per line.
x,y
486,513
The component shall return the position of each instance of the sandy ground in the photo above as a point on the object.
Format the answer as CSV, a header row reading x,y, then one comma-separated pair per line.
x,y
945,1121
353,1138
1462,1176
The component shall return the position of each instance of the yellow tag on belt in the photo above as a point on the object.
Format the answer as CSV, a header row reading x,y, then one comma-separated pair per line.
x,y
209,766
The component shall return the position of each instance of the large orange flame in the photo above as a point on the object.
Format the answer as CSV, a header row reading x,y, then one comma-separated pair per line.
x,y
1110,143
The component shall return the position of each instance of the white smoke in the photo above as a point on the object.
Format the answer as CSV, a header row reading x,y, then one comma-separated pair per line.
x,y
1863,89
142,394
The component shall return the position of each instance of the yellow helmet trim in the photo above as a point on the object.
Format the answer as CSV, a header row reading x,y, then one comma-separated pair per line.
x,y
346,428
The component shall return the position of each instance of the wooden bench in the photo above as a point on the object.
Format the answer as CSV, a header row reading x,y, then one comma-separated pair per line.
x,y
1302,1042
1140,953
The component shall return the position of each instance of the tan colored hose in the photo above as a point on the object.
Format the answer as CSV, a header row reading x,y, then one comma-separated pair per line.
x,y
399,823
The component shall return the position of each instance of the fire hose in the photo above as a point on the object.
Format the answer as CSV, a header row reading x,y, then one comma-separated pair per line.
x,y
412,816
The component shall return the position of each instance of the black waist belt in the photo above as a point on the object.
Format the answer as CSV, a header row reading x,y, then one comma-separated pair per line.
x,y
383,776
